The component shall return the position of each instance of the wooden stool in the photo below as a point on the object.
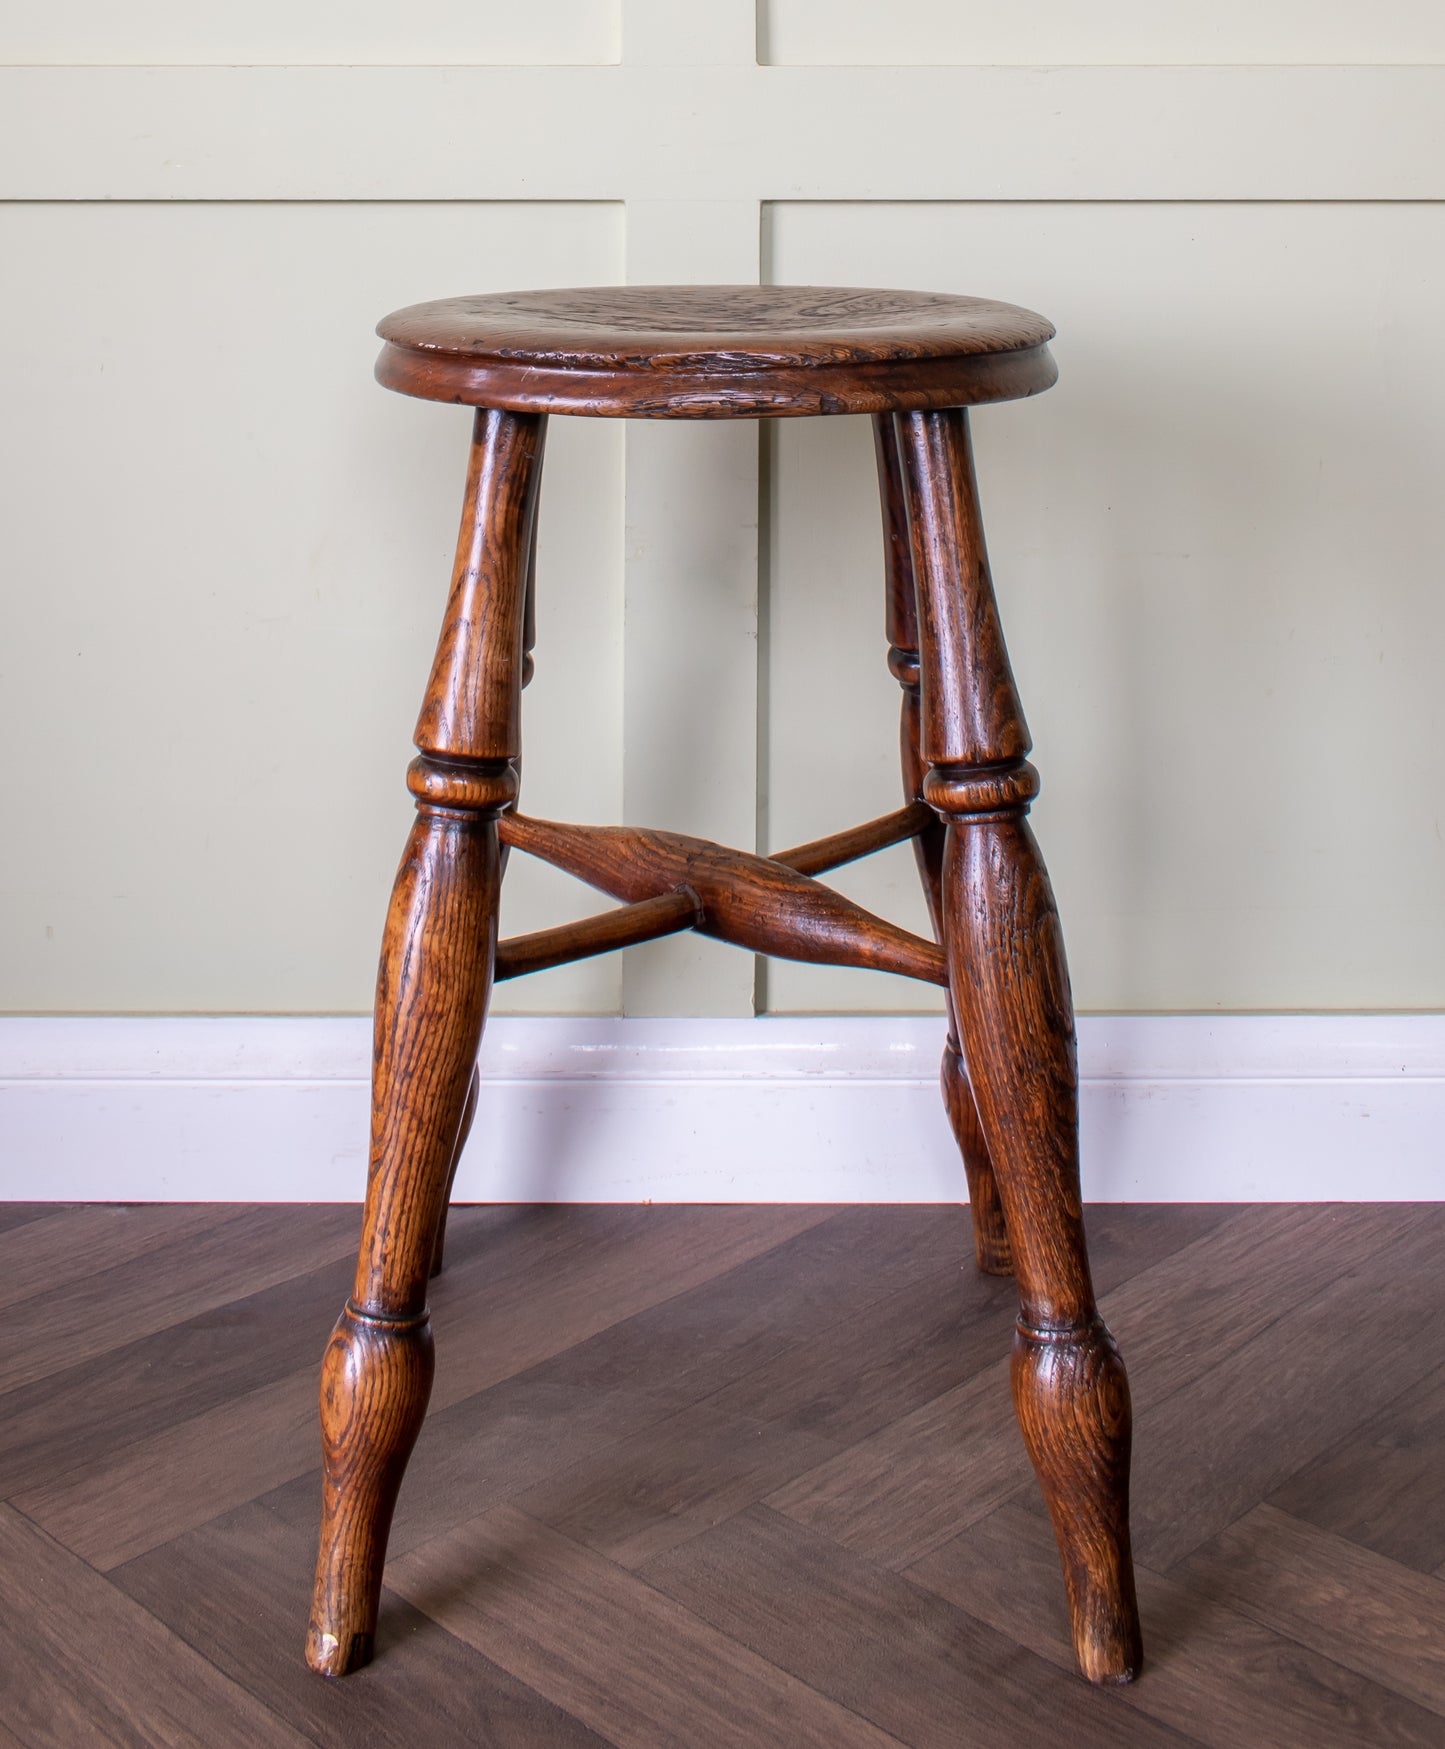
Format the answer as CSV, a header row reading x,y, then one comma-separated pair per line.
x,y
916,362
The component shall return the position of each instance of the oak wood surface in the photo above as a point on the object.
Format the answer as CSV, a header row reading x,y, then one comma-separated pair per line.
x,y
1274,1629
200,1266
1344,1602
551,1613
838,848
797,1599
755,902
681,908
1382,1493
990,1233
719,351
1009,994
629,925
1008,1074
1215,1674
80,1662
540,1283
247,1626
432,991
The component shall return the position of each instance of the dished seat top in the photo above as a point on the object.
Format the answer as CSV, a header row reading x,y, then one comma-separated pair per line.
x,y
715,351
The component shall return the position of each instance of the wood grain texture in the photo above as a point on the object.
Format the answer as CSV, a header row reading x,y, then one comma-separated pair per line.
x,y
473,704
432,992
672,1480
722,351
548,1611
464,1130
203,1264
681,908
77,1423
1009,1078
81,1663
708,1344
1351,1605
451,1694
919,1480
991,1246
116,1504
70,1244
1279,1385
940,1677
839,848
20,1214
752,901
1009,989
990,1232
1216,1675
1379,1484
708,1393
432,996
970,714
154,1463
646,920
375,1382
750,1342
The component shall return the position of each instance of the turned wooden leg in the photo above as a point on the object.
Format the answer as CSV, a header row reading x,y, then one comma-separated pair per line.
x,y
464,1129
990,1233
469,1110
529,637
1010,990
432,989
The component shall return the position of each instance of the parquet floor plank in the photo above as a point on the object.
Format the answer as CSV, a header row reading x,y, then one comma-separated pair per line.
x,y
495,1316
936,1677
608,1389
59,1433
106,1308
614,1652
81,1663
43,1256
247,1625
1212,1673
1233,1434
720,1476
913,1333
19,1214
1379,1484
902,1492
1366,1612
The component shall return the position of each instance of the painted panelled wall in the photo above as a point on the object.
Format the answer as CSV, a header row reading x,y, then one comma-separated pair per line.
x,y
1218,542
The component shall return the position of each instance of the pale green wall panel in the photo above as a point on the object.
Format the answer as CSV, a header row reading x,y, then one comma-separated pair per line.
x,y
226,554
325,32
1219,545
1123,32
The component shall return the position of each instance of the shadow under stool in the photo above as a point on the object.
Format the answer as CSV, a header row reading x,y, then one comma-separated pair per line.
x,y
916,362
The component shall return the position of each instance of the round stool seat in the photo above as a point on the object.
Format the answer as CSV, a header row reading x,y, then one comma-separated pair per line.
x,y
716,351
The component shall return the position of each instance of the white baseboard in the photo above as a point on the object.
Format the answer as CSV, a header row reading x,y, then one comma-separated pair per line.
x,y
1175,1108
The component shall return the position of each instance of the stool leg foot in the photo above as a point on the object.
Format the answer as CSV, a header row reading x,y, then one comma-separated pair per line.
x,y
376,1377
375,1382
990,1230
1011,991
1009,987
438,956
1072,1399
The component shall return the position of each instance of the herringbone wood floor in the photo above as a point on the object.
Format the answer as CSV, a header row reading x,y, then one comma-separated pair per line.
x,y
733,1475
